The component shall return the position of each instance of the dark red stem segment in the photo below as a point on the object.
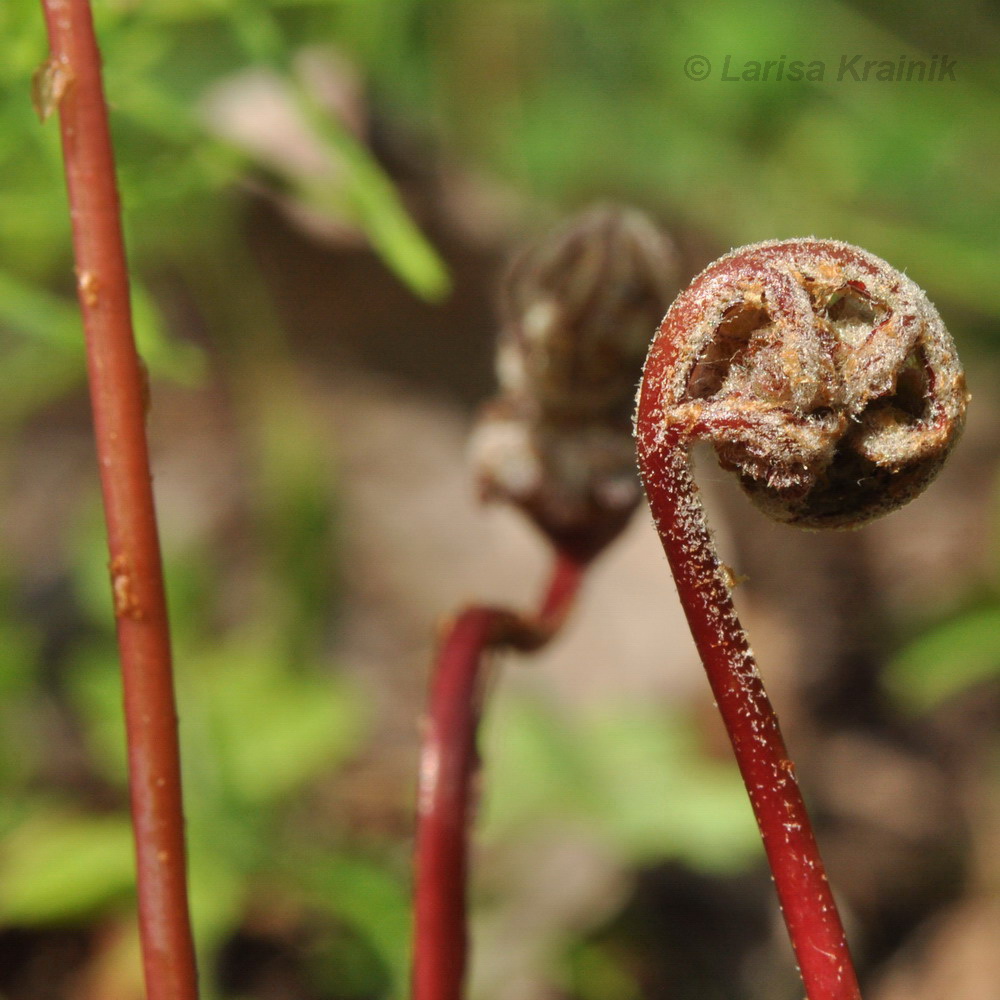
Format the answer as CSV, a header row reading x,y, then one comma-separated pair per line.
x,y
449,763
806,900
118,400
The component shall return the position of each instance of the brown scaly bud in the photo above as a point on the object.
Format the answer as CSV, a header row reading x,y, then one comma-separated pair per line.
x,y
822,375
576,314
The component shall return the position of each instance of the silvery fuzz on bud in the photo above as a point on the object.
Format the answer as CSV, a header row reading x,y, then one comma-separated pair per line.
x,y
820,373
577,313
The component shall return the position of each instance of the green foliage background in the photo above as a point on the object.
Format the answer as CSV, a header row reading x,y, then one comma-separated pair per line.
x,y
564,102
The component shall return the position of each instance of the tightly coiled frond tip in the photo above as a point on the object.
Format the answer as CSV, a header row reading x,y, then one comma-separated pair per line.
x,y
823,376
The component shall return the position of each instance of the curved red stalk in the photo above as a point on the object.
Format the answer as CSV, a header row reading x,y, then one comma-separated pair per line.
x,y
72,80
807,903
448,767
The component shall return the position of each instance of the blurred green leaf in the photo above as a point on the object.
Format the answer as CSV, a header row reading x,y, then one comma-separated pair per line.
x,y
298,506
19,649
22,743
664,797
372,900
373,203
272,728
537,766
635,775
594,974
218,889
369,196
34,312
268,729
163,356
947,660
95,687
59,867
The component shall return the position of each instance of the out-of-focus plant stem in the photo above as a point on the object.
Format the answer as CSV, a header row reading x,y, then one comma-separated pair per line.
x,y
448,767
71,81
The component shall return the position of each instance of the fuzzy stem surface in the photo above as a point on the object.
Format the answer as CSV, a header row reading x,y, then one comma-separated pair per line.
x,y
806,900
117,391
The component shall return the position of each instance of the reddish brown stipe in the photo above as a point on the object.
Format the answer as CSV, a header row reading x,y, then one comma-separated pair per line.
x,y
449,763
71,83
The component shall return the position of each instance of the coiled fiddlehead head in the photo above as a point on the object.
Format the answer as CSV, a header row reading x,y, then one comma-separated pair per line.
x,y
822,375
576,311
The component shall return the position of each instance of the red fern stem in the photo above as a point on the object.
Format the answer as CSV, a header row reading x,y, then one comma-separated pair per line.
x,y
449,763
72,81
